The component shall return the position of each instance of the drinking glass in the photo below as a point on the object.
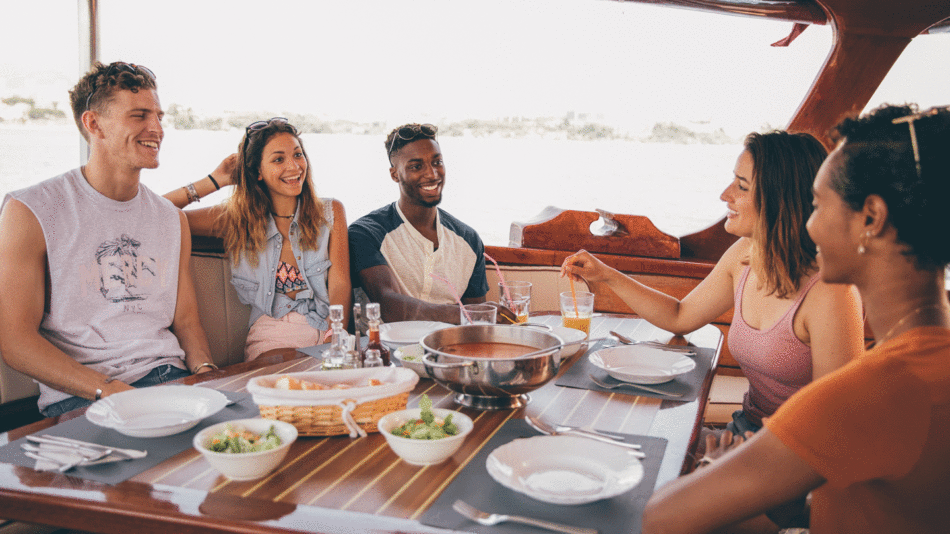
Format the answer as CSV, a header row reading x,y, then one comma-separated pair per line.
x,y
480,314
520,302
577,314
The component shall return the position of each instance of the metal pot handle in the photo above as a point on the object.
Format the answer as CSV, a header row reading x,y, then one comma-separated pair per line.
x,y
437,365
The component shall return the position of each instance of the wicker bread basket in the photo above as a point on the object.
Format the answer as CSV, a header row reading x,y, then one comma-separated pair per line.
x,y
335,412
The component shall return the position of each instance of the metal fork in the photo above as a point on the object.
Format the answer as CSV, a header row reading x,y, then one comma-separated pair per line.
x,y
485,518
37,454
605,385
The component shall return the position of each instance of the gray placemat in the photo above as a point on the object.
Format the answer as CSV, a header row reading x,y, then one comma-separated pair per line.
x,y
475,486
687,385
159,449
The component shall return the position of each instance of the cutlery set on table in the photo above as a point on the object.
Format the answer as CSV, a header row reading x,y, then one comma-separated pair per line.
x,y
57,453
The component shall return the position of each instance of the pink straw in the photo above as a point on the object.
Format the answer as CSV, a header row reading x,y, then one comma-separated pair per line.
x,y
455,293
501,277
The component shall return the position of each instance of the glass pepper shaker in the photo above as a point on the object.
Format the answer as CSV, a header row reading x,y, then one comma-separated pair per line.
x,y
372,359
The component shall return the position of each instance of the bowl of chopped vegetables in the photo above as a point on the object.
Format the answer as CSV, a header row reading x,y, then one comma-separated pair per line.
x,y
410,357
246,449
425,435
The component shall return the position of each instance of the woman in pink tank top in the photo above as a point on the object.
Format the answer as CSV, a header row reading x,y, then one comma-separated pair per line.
x,y
788,327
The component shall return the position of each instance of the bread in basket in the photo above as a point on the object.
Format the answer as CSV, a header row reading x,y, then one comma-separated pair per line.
x,y
335,412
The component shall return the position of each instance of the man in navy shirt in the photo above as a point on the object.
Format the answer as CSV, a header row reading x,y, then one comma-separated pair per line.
x,y
400,252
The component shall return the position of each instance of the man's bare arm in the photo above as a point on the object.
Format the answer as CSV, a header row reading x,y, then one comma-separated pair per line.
x,y
187,324
380,284
22,301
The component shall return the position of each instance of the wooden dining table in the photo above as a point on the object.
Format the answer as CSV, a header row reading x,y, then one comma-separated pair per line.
x,y
336,484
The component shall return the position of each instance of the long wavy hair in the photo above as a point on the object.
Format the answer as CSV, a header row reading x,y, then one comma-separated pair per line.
x,y
249,208
784,169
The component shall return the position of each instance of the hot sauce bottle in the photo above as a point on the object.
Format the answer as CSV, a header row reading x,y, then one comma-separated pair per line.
x,y
372,321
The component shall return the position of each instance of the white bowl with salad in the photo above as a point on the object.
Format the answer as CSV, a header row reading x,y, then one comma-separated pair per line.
x,y
246,449
410,357
425,435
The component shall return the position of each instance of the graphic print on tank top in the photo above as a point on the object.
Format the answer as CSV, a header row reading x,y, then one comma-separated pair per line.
x,y
123,275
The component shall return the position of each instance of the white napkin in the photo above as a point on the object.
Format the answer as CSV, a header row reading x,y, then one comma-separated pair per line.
x,y
56,457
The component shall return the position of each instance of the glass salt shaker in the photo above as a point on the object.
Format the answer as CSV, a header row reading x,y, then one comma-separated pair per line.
x,y
372,359
334,356
351,360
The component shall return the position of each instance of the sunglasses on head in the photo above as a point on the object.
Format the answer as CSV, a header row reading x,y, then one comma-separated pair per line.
x,y
260,125
412,132
121,66
909,120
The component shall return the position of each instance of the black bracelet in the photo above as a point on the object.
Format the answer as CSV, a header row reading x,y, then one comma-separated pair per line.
x,y
215,182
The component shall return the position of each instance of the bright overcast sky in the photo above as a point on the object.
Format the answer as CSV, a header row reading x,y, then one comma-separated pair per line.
x,y
396,60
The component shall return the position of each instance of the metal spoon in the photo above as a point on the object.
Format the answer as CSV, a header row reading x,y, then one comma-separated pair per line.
x,y
628,384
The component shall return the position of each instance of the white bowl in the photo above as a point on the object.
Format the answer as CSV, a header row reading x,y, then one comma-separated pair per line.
x,y
424,451
568,335
247,465
416,353
564,469
402,333
641,364
156,411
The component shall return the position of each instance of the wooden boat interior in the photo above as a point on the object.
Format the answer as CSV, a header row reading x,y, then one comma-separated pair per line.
x,y
869,36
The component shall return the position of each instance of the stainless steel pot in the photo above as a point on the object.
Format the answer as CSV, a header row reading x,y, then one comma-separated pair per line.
x,y
491,383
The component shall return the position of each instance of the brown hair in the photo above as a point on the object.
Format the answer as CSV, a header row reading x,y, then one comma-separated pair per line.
x,y
248,209
784,169
98,87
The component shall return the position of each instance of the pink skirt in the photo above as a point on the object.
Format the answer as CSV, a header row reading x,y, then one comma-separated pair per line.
x,y
291,331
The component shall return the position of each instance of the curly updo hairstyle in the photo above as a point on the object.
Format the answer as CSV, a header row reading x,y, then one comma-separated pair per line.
x,y
877,158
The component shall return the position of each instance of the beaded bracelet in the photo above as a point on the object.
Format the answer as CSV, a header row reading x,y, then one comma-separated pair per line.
x,y
192,193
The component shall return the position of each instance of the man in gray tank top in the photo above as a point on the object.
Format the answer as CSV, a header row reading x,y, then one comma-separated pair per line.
x,y
96,293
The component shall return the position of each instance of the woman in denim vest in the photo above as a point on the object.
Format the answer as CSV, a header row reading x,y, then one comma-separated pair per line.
x,y
289,248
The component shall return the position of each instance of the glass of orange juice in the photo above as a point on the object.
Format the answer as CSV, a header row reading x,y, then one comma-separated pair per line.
x,y
520,302
577,309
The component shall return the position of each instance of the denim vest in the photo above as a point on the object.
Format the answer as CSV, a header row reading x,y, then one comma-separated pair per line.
x,y
255,284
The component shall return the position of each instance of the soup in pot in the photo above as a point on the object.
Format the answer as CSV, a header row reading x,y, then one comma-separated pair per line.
x,y
502,351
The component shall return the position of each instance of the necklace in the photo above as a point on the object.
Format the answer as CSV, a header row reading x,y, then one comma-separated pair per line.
x,y
904,319
291,216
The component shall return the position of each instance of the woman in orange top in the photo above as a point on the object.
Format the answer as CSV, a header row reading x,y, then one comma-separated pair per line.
x,y
872,438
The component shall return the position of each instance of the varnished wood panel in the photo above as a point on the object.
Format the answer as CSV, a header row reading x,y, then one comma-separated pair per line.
x,y
570,230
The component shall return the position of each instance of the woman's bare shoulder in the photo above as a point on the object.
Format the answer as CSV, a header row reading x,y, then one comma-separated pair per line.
x,y
737,256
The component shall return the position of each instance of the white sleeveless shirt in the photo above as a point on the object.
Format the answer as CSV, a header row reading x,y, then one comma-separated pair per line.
x,y
113,277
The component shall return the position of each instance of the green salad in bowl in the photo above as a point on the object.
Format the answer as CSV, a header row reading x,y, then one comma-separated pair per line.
x,y
425,435
240,440
427,426
246,449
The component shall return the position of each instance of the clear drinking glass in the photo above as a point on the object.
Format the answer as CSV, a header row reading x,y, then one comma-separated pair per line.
x,y
479,313
577,314
520,302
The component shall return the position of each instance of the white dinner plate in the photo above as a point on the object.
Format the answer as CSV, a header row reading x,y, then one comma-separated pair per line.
x,y
571,470
407,332
642,364
156,411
